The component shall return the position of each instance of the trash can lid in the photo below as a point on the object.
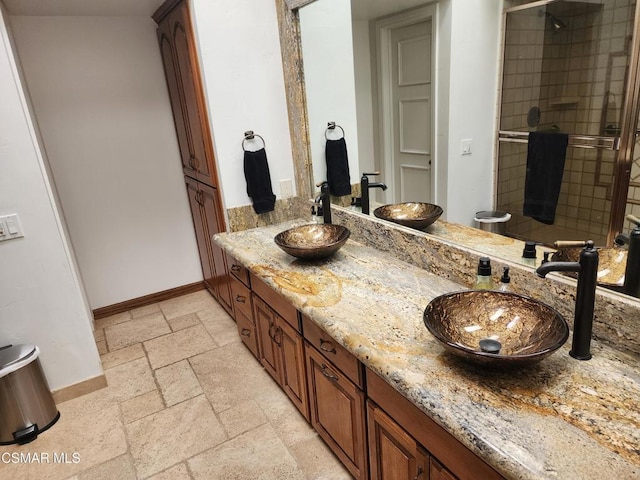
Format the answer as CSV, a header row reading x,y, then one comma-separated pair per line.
x,y
492,216
15,353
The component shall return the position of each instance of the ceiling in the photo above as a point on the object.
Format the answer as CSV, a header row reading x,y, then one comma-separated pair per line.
x,y
111,8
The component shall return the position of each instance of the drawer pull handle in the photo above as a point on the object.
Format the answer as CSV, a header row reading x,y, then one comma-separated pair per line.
x,y
235,268
245,332
275,337
327,373
419,473
241,299
324,348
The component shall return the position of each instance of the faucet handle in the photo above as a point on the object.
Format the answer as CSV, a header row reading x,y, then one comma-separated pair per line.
x,y
569,244
372,174
633,219
322,183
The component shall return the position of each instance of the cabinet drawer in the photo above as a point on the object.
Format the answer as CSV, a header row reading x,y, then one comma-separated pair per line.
x,y
238,271
241,297
276,301
247,332
329,348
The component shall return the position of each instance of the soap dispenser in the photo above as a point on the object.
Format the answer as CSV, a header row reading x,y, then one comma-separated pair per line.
x,y
484,282
632,270
529,253
505,281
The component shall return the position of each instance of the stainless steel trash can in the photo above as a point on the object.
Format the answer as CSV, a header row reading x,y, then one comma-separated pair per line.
x,y
492,221
26,404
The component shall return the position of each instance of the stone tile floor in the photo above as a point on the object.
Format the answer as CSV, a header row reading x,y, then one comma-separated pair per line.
x,y
185,400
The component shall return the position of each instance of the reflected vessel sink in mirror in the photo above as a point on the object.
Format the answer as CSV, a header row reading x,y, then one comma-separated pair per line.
x,y
313,241
473,324
411,214
612,262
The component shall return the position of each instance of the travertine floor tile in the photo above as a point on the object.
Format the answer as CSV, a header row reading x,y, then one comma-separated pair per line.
x,y
141,406
136,331
216,319
291,426
177,472
172,435
191,303
120,468
98,334
146,310
112,320
124,355
86,440
178,346
185,321
178,382
229,375
125,381
241,418
102,347
317,461
257,454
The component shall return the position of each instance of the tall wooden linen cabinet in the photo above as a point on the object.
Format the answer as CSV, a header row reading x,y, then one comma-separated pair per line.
x,y
179,56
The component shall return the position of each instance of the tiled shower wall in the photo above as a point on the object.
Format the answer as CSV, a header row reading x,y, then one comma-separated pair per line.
x,y
576,77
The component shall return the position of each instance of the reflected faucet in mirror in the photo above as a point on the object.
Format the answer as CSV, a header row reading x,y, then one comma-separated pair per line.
x,y
632,270
587,269
365,185
323,200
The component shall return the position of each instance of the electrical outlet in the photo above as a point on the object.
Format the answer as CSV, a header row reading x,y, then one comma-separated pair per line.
x,y
465,147
286,188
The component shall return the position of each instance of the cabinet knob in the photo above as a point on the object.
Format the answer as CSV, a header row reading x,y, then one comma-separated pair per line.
x,y
327,373
241,299
245,332
235,267
329,349
419,474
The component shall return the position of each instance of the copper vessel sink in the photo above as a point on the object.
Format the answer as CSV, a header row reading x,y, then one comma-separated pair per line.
x,y
313,241
611,265
495,329
411,214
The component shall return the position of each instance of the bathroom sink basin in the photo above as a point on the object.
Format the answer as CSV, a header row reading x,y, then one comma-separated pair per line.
x,y
313,241
411,214
611,265
495,329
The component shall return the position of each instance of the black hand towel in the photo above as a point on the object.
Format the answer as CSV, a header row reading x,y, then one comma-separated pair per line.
x,y
545,166
256,172
338,167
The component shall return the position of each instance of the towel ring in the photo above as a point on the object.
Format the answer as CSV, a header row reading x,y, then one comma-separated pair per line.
x,y
249,135
332,126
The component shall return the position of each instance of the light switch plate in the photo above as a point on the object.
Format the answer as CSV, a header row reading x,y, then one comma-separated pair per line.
x,y
10,227
465,147
286,188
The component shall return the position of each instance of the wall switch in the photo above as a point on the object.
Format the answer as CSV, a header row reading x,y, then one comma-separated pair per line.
x,y
286,188
465,148
10,227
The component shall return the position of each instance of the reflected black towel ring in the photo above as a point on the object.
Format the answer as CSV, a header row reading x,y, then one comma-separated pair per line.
x,y
249,135
332,126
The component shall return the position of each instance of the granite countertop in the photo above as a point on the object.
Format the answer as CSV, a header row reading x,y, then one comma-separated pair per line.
x,y
558,419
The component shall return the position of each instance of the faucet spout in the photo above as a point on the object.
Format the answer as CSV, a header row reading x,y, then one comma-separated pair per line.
x,y
325,200
378,185
587,269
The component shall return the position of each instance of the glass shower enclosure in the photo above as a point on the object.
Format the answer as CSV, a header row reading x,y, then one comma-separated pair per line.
x,y
567,68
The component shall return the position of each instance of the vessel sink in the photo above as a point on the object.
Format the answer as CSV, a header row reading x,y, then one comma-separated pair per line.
x,y
410,214
313,241
495,329
611,265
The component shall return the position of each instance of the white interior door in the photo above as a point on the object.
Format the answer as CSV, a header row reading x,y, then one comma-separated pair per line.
x,y
412,112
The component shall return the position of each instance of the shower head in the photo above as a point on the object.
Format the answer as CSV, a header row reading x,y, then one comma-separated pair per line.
x,y
557,25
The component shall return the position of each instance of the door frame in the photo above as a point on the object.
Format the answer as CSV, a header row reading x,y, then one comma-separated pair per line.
x,y
383,28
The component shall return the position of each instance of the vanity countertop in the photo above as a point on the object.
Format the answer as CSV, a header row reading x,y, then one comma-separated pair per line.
x,y
558,419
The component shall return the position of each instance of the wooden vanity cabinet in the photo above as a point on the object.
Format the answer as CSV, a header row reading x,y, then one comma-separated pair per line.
x,y
393,453
280,344
337,402
242,308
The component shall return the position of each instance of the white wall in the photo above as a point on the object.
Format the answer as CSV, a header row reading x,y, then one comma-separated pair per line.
x,y
473,79
364,99
100,97
327,49
40,296
240,57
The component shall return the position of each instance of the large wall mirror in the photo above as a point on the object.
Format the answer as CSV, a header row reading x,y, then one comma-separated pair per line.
x,y
339,43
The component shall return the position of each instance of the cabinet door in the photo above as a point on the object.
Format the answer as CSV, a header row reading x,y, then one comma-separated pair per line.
x,y
195,202
266,325
438,472
292,366
337,412
167,50
220,281
393,453
247,332
193,107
